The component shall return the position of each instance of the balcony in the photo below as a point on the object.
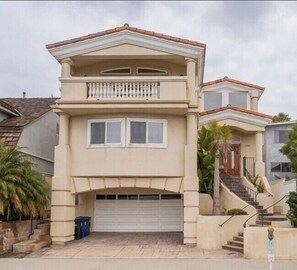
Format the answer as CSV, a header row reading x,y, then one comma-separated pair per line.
x,y
117,89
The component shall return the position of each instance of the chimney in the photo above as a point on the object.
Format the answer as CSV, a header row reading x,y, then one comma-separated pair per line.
x,y
24,94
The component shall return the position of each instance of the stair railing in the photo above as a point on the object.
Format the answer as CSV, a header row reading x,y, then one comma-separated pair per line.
x,y
262,212
221,225
252,193
249,166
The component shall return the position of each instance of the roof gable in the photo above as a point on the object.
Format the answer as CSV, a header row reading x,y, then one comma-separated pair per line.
x,y
126,35
233,81
235,114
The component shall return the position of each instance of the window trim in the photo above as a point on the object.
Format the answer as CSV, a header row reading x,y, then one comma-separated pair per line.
x,y
149,145
112,120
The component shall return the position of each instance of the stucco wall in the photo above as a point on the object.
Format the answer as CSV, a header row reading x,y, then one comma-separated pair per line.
x,y
94,69
210,235
285,245
39,139
205,204
127,161
279,189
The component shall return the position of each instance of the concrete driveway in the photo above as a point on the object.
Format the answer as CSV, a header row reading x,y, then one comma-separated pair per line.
x,y
130,245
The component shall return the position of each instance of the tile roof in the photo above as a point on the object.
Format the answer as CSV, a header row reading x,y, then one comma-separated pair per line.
x,y
226,79
237,109
122,28
29,110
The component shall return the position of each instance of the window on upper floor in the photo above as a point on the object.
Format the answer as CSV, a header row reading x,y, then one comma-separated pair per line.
x,y
280,167
117,71
212,101
150,71
281,136
238,100
143,132
106,132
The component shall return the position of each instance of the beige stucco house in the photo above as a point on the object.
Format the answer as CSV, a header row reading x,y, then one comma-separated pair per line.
x,y
235,104
127,153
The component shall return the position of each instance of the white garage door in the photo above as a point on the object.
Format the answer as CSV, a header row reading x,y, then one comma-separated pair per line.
x,y
138,213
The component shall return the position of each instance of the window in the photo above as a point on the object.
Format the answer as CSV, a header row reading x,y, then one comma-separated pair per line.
x,y
117,71
238,100
150,71
212,101
280,167
105,132
281,136
147,132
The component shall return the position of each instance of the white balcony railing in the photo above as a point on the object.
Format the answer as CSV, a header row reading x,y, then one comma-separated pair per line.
x,y
124,90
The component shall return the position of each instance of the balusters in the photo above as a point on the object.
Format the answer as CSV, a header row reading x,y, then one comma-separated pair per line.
x,y
125,90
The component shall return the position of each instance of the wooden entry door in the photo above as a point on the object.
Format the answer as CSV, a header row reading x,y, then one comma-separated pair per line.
x,y
232,160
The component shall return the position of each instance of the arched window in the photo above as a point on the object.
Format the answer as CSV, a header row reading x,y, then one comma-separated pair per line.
x,y
117,71
150,71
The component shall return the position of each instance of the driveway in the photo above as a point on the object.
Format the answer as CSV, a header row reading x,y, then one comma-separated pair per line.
x,y
130,245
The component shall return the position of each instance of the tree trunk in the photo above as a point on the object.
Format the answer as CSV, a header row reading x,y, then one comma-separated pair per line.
x,y
216,187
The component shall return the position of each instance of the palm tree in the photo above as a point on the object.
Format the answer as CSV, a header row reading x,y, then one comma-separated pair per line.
x,y
22,190
221,140
281,117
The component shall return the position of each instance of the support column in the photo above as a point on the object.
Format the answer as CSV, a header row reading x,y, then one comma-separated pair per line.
x,y
254,101
191,79
66,67
191,195
63,201
259,165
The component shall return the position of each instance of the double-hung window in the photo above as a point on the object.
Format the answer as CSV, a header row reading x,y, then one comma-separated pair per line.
x,y
147,132
106,132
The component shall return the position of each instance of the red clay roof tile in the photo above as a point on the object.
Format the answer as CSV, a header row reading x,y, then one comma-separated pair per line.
x,y
226,79
125,27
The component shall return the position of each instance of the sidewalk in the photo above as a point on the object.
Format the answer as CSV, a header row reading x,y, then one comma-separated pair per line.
x,y
140,264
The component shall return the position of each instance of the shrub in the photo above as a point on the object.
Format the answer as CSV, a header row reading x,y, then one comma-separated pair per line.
x,y
235,212
292,213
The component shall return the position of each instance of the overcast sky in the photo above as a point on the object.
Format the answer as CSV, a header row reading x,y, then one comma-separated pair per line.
x,y
254,42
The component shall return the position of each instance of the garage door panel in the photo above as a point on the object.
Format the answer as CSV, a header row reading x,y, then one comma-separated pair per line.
x,y
138,215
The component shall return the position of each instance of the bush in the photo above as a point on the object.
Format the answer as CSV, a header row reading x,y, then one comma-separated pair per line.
x,y
235,212
292,213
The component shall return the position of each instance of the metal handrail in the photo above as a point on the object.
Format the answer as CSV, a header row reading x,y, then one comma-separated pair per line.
x,y
262,211
221,225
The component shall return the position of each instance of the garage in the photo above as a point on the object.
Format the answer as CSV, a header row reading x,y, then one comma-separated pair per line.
x,y
138,213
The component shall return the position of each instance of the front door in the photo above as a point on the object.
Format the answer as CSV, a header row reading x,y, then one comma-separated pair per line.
x,y
232,160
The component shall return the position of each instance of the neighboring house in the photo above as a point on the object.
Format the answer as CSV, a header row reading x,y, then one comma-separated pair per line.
x,y
31,124
277,164
127,153
235,103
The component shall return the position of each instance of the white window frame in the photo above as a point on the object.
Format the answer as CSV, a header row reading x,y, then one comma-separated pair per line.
x,y
121,144
152,145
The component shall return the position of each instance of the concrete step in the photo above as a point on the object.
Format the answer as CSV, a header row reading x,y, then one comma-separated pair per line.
x,y
44,237
265,222
240,234
274,218
238,238
235,243
30,246
233,248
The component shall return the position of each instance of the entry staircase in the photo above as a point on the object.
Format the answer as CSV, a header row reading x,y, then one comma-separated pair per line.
x,y
39,239
264,218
